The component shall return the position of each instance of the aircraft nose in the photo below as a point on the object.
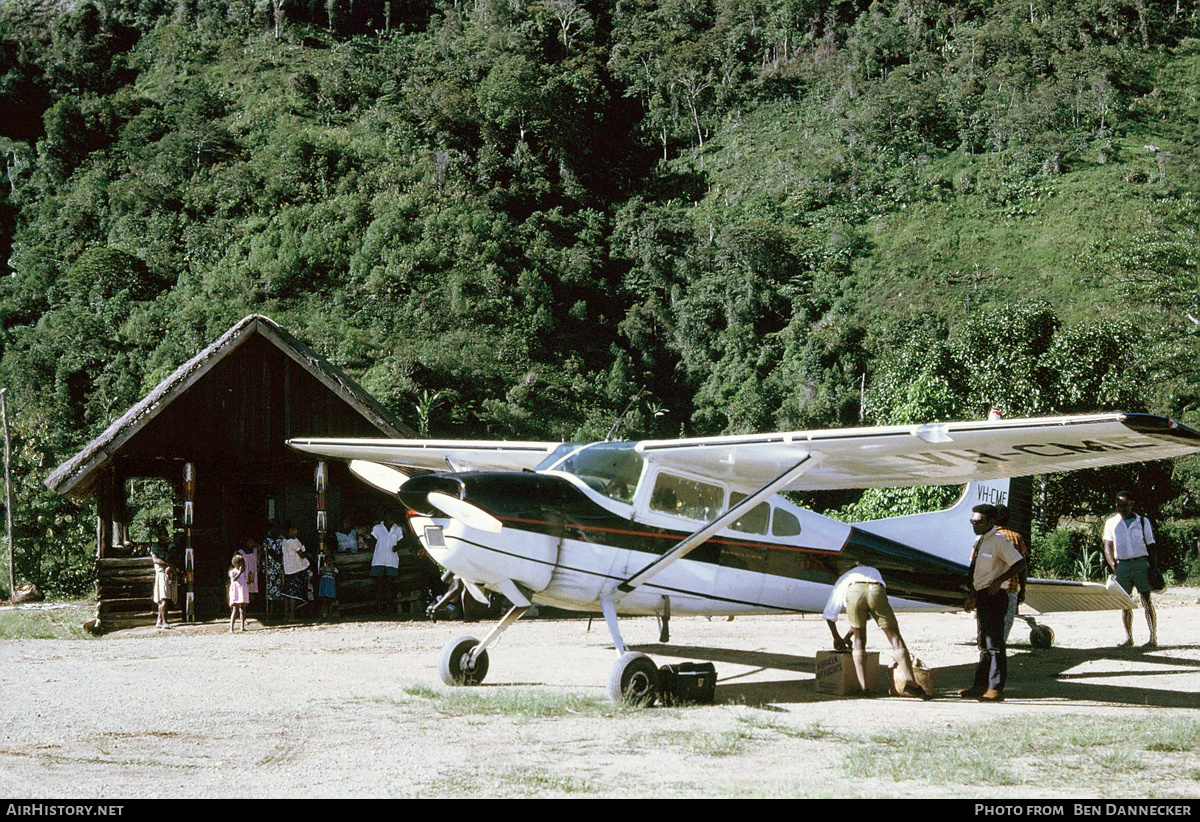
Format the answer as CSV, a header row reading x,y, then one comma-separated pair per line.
x,y
433,495
415,492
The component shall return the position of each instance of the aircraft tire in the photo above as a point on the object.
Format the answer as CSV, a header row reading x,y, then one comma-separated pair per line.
x,y
452,662
1041,636
633,679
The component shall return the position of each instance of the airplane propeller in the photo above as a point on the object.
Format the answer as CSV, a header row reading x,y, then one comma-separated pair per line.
x,y
388,479
383,477
470,515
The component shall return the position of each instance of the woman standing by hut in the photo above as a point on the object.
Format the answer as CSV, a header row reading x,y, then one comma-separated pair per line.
x,y
162,553
273,560
295,572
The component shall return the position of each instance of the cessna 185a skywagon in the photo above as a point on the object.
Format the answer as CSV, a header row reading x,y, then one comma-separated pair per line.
x,y
697,526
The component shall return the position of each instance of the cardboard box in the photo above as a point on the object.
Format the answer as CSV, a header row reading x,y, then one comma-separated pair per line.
x,y
836,676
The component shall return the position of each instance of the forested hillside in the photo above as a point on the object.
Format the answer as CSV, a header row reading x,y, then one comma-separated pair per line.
x,y
518,218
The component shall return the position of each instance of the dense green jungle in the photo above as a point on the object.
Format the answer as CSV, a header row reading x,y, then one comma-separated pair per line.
x,y
546,218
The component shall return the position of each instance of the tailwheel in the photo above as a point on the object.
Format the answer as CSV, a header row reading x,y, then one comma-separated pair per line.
x,y
633,679
1041,636
455,666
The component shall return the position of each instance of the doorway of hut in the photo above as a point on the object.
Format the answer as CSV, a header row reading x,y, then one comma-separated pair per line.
x,y
249,511
239,515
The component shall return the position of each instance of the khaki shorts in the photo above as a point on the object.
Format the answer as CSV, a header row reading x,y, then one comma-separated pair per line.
x,y
865,599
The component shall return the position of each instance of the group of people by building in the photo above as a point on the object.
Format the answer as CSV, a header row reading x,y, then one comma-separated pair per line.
x,y
996,578
281,575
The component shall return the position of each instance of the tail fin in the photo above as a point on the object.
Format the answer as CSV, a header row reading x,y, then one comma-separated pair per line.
x,y
948,533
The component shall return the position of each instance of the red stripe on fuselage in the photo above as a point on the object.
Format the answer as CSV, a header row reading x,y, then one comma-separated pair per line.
x,y
676,537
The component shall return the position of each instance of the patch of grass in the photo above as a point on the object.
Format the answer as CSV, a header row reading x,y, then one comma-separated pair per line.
x,y
926,758
520,703
553,783
719,743
517,782
61,620
702,743
813,731
751,728
1056,753
1183,736
1119,760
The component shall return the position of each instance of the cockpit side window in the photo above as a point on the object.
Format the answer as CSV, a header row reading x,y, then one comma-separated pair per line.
x,y
786,524
753,521
685,497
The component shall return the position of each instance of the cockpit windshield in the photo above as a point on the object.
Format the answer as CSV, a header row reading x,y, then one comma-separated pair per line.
x,y
612,468
557,454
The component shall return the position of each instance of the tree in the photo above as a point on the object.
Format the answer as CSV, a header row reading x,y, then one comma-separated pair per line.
x,y
999,351
573,19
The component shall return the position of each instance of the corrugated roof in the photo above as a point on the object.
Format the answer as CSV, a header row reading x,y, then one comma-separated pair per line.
x,y
76,476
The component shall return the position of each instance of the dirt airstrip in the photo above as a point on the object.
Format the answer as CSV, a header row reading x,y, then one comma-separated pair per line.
x,y
354,709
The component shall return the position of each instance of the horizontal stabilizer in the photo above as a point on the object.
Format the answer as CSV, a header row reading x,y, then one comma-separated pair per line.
x,y
1050,595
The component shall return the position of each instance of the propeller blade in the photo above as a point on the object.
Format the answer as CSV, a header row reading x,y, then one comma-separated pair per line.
x,y
466,513
383,477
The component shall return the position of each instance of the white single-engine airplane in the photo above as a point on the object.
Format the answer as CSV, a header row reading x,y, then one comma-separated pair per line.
x,y
697,526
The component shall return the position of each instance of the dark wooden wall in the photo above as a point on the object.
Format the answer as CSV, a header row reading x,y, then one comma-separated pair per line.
x,y
244,410
233,425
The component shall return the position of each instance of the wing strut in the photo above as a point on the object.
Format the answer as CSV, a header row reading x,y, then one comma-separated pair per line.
x,y
698,538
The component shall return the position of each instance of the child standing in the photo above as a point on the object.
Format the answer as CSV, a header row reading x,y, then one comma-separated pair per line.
x,y
327,592
239,591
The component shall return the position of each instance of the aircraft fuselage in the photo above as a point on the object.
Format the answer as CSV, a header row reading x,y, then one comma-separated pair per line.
x,y
565,544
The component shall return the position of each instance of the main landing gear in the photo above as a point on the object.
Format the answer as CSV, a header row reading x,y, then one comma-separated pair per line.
x,y
634,678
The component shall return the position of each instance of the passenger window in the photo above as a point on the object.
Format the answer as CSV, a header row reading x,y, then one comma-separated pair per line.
x,y
686,498
755,520
786,524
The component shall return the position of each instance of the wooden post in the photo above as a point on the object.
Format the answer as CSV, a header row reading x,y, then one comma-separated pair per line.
x,y
189,558
321,479
8,527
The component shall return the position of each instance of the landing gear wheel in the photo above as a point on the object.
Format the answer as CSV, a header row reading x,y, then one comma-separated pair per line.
x,y
1040,636
633,679
454,665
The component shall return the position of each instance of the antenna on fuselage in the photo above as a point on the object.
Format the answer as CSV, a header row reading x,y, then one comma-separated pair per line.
x,y
608,437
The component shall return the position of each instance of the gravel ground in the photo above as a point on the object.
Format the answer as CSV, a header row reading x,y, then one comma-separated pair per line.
x,y
355,709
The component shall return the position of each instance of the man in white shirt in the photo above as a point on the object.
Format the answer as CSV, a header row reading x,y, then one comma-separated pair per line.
x,y
385,562
861,592
994,561
1128,542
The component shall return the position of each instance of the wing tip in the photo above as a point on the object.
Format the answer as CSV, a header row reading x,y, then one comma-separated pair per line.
x,y
1164,427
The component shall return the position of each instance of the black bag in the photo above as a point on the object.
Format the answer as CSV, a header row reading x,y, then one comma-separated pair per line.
x,y
1157,583
687,682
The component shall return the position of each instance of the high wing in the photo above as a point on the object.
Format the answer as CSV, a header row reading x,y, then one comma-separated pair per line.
x,y
951,453
433,455
935,454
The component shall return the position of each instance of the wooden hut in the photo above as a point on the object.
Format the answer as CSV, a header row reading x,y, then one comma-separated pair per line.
x,y
224,418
